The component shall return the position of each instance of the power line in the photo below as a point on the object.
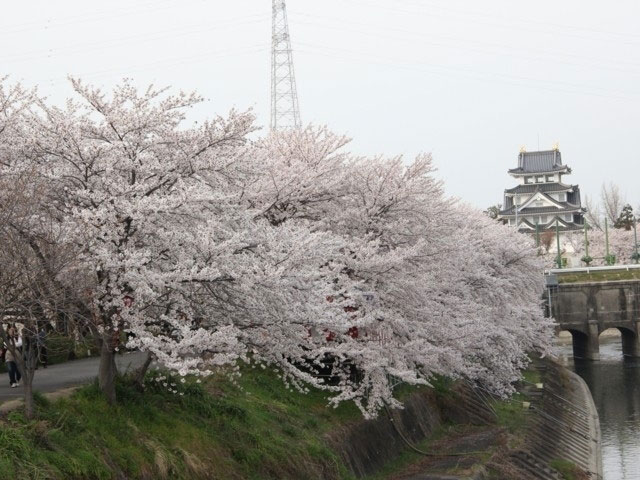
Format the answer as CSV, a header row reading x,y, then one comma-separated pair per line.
x,y
153,36
182,60
546,23
450,42
461,73
510,25
157,5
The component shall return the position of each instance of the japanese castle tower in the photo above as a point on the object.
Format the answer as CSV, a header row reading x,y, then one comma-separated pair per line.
x,y
541,196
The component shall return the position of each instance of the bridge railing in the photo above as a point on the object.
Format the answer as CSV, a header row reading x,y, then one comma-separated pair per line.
x,y
554,271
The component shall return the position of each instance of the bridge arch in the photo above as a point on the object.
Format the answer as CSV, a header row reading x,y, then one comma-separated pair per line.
x,y
630,340
585,346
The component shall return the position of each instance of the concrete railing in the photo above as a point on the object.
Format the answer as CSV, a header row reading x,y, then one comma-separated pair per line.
x,y
555,271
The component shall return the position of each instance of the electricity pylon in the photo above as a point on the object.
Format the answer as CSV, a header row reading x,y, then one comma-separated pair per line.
x,y
284,97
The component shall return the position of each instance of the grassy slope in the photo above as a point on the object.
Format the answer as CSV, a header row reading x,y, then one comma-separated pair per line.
x,y
255,429
263,431
599,276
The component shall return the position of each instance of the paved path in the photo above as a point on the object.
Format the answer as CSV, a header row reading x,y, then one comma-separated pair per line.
x,y
64,375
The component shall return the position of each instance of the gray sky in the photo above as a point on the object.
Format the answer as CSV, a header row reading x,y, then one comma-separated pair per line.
x,y
466,80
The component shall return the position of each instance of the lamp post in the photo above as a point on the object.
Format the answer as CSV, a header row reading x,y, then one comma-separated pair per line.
x,y
635,240
559,257
586,240
606,237
586,259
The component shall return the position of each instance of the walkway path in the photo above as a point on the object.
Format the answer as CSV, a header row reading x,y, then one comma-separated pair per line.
x,y
64,375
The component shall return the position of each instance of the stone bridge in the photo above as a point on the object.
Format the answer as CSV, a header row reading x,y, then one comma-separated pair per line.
x,y
586,309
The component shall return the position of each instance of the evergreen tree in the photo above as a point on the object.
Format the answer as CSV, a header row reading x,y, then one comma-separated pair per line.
x,y
493,211
625,220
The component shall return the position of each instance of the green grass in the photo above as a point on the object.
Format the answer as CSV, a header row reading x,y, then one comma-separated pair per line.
x,y
532,376
250,427
599,276
511,414
409,456
256,430
568,470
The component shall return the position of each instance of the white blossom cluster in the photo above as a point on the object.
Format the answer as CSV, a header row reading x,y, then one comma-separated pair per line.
x,y
621,245
207,249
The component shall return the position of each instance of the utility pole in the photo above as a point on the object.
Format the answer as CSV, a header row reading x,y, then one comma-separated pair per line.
x,y
285,113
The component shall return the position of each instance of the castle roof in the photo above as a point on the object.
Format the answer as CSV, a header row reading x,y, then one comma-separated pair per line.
x,y
563,226
566,208
572,204
540,187
539,162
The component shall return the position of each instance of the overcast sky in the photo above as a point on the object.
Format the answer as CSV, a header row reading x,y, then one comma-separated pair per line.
x,y
470,81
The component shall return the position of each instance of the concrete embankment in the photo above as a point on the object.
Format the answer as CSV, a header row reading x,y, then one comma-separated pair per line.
x,y
561,431
564,425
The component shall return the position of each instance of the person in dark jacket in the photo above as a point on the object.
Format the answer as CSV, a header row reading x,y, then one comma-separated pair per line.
x,y
14,372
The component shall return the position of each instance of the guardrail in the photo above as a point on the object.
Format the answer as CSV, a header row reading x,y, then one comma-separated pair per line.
x,y
555,271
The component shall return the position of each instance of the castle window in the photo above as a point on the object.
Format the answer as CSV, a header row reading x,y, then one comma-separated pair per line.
x,y
549,178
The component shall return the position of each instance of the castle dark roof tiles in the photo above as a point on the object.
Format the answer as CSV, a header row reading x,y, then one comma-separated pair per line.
x,y
566,208
563,226
541,187
539,162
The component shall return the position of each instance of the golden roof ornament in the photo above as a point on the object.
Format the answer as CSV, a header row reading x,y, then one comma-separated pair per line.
x,y
523,149
556,146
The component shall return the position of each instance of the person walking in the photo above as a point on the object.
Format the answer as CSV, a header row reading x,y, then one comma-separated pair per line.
x,y
14,372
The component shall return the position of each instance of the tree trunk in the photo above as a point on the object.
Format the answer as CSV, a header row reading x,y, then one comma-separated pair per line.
x,y
27,385
107,371
142,371
27,365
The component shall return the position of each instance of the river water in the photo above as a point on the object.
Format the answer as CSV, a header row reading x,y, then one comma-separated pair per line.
x,y
614,382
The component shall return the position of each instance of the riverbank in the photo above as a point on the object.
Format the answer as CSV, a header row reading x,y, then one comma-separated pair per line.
x,y
614,383
549,430
255,428
565,427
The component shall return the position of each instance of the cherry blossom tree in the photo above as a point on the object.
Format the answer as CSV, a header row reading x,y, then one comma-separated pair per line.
x,y
621,245
30,297
136,194
30,245
205,249
168,252
453,291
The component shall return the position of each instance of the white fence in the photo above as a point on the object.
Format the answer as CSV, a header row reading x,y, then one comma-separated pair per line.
x,y
554,271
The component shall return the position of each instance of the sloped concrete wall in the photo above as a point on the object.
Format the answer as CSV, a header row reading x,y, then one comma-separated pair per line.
x,y
368,445
569,426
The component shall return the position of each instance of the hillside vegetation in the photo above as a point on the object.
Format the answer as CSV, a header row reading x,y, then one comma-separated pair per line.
x,y
255,429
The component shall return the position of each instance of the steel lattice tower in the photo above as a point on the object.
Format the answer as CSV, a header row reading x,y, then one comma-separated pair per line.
x,y
284,97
